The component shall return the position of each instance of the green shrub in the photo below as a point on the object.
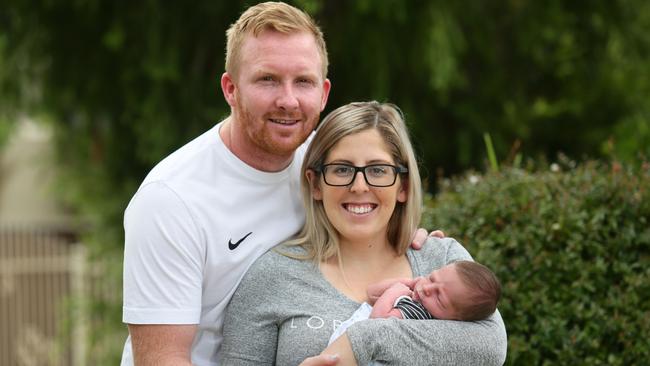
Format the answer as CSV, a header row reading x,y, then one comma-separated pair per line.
x,y
571,246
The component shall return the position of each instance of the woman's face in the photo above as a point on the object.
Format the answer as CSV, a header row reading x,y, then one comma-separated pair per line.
x,y
358,211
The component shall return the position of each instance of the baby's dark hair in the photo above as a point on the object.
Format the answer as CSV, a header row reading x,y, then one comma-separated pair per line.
x,y
484,287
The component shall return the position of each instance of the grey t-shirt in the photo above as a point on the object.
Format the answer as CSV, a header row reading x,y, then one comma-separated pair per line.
x,y
285,311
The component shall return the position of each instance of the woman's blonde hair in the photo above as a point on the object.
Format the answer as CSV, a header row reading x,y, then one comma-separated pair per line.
x,y
318,237
276,16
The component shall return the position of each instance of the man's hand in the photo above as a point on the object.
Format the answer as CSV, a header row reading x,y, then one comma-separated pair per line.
x,y
421,236
340,348
322,360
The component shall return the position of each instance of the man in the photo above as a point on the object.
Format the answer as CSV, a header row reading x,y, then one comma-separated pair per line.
x,y
207,211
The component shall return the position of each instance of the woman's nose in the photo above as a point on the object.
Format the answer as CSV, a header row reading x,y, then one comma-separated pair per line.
x,y
359,183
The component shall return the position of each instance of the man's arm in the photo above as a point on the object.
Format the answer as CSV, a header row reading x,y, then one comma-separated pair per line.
x,y
341,349
163,345
162,277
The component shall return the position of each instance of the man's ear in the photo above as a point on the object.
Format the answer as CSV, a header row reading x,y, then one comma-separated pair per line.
x,y
327,85
228,88
403,193
314,184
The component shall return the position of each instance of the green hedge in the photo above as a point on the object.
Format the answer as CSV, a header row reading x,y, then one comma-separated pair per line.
x,y
571,245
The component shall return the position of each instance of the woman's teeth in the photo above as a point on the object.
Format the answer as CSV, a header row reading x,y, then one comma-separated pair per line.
x,y
359,209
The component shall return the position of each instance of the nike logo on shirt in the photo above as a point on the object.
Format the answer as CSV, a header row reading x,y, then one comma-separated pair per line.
x,y
233,246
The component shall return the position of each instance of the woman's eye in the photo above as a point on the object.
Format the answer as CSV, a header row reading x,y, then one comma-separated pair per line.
x,y
377,171
342,170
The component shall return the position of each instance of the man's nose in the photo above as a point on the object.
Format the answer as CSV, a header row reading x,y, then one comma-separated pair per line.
x,y
287,99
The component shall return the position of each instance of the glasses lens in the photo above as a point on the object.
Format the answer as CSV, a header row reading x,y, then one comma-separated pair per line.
x,y
380,175
338,174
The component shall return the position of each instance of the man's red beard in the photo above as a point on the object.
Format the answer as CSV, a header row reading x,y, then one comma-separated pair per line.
x,y
263,140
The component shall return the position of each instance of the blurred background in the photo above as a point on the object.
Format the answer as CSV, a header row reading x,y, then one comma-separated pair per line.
x,y
94,93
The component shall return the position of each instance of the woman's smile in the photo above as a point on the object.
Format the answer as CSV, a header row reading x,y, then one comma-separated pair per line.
x,y
359,209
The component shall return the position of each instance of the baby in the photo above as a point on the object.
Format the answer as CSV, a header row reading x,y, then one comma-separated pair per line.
x,y
462,290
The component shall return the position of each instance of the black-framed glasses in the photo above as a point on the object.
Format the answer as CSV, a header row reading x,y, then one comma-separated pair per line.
x,y
376,175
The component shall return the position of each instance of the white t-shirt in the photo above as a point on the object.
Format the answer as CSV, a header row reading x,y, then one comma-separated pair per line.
x,y
198,221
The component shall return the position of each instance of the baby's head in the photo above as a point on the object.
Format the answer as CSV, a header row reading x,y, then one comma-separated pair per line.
x,y
462,290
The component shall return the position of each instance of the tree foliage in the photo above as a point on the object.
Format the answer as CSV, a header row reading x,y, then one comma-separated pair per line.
x,y
571,246
136,80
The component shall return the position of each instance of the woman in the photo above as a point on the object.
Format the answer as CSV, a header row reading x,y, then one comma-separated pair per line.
x,y
362,193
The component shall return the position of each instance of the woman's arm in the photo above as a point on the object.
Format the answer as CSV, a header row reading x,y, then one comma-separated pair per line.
x,y
426,342
249,332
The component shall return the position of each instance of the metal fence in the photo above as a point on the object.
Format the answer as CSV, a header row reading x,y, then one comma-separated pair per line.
x,y
41,272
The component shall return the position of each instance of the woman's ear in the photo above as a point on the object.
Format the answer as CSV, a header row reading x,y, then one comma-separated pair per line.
x,y
403,193
314,184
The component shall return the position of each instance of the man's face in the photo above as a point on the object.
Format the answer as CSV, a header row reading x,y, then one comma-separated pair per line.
x,y
277,94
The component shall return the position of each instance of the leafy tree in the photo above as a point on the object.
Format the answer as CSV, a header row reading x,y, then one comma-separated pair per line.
x,y
571,247
555,76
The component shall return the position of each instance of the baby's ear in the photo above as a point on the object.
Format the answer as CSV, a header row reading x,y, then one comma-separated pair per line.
x,y
314,184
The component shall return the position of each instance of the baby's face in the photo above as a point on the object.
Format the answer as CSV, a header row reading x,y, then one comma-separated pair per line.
x,y
436,291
